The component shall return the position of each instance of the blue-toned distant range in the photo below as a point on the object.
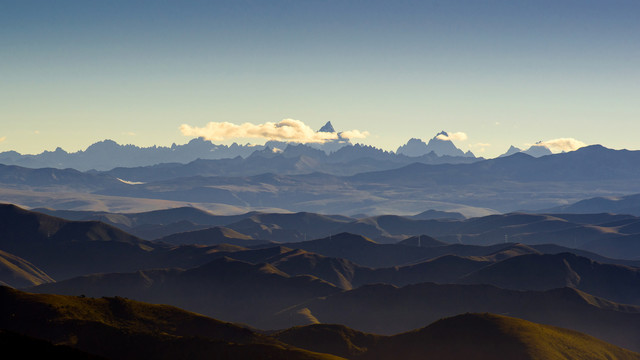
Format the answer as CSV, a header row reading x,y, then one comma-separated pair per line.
x,y
504,73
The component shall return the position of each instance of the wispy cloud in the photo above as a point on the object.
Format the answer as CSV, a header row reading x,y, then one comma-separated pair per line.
x,y
354,134
285,130
129,133
3,139
561,144
459,136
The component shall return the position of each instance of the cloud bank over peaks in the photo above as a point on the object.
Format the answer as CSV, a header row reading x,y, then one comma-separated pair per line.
x,y
561,144
459,136
286,130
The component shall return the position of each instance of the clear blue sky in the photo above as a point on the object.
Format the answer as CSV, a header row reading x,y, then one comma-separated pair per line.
x,y
503,72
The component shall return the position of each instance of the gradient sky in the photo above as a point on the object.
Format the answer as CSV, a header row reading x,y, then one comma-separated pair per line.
x,y
503,72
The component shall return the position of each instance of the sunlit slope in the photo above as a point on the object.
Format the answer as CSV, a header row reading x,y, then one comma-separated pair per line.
x,y
17,272
489,336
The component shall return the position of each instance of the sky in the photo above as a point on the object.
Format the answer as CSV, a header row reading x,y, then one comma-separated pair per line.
x,y
150,72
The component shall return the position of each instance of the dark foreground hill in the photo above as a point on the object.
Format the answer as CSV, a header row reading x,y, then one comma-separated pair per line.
x,y
118,328
27,347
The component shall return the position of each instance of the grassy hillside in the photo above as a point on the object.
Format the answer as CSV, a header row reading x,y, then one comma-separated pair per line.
x,y
489,336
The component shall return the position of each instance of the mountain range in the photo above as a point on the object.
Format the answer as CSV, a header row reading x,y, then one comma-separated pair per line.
x,y
108,154
475,189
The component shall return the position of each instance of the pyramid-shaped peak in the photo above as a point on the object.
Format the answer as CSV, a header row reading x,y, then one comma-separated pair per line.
x,y
328,128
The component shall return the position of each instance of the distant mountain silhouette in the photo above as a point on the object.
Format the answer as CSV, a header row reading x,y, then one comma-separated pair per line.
x,y
629,204
504,184
536,150
327,128
435,214
108,154
512,150
416,147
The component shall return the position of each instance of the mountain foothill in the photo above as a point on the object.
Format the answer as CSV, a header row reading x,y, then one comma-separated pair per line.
x,y
327,251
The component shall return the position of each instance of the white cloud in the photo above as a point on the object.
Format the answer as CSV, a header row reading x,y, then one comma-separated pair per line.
x,y
561,144
354,134
129,133
285,130
480,147
3,139
453,136
36,132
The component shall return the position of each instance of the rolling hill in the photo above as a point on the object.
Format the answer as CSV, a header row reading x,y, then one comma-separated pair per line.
x,y
489,336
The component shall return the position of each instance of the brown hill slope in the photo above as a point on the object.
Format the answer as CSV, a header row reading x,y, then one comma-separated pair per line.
x,y
489,336
17,272
466,336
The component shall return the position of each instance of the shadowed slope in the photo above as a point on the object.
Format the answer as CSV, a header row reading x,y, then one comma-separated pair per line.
x,y
226,289
124,329
212,236
31,348
544,272
329,338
